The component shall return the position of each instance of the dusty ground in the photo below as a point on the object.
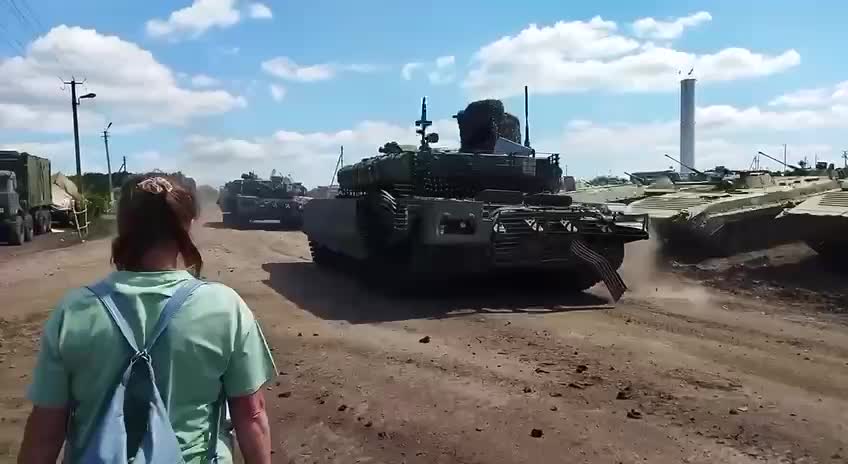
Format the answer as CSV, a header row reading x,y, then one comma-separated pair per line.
x,y
678,371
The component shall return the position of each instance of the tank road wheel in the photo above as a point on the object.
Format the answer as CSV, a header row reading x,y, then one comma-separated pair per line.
x,y
28,228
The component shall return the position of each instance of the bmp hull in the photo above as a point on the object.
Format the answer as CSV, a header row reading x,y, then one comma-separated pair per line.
x,y
725,234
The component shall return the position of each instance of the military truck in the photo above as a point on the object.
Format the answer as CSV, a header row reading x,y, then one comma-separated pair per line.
x,y
822,222
420,212
25,196
250,198
735,214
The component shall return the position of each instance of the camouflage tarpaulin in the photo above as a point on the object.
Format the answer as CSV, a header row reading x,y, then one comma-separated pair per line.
x,y
510,128
480,124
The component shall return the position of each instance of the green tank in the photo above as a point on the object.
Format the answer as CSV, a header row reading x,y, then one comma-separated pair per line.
x,y
822,222
419,211
737,213
250,198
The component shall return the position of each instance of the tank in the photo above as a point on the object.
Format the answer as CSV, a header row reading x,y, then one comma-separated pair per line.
x,y
416,212
734,214
250,198
822,222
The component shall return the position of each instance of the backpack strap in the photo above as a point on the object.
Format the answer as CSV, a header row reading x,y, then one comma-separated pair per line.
x,y
103,291
212,450
171,307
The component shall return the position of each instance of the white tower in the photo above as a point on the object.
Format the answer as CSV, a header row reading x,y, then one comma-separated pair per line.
x,y
687,123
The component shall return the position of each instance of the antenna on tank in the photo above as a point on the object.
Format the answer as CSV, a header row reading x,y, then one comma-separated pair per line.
x,y
526,120
423,123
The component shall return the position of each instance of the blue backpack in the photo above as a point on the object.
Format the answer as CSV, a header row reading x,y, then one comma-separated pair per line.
x,y
136,395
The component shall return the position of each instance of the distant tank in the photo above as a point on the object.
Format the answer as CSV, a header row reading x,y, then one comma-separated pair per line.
x,y
421,211
616,193
734,214
250,198
822,222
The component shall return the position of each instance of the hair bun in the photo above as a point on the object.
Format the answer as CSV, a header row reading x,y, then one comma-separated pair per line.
x,y
155,185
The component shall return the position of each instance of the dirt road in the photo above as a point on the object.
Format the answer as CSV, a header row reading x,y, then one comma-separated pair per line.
x,y
675,372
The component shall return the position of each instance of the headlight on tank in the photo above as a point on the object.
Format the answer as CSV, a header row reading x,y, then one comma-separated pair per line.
x,y
457,225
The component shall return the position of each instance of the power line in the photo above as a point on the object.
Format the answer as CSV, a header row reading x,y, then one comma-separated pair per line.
x,y
14,44
28,19
33,15
22,17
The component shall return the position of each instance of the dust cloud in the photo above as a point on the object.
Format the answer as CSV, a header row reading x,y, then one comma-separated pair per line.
x,y
649,274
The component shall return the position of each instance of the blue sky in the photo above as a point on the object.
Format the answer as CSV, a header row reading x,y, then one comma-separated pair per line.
x,y
217,87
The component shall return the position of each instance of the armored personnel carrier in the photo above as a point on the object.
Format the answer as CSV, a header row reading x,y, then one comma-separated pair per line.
x,y
735,214
429,212
250,198
822,222
615,192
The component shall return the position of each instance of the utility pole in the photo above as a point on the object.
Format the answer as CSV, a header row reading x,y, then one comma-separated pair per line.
x,y
74,103
108,164
845,157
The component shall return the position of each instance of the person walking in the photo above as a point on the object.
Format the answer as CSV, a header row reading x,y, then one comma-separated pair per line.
x,y
143,366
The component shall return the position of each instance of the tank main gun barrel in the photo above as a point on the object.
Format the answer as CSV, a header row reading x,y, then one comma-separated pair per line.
x,y
685,166
638,179
792,166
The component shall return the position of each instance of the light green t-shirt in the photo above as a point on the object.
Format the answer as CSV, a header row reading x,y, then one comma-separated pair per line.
x,y
213,342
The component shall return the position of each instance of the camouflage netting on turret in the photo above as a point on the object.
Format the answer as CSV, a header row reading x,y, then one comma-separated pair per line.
x,y
482,122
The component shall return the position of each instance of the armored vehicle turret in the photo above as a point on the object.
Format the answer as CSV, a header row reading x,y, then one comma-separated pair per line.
x,y
422,211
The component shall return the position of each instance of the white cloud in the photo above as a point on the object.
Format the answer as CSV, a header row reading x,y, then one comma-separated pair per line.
x,y
309,156
192,21
278,92
579,56
229,50
49,150
725,135
666,30
409,68
442,70
285,68
260,11
202,80
141,92
814,97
